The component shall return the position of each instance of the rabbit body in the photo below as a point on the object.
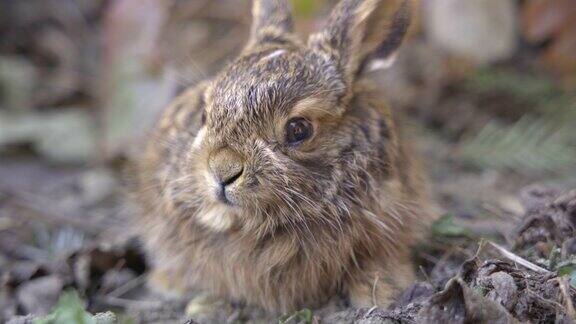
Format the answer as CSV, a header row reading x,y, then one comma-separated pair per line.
x,y
285,179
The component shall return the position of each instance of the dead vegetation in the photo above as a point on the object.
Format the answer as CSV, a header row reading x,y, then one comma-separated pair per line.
x,y
496,285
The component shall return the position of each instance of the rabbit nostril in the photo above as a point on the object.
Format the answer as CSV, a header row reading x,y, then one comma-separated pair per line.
x,y
225,181
229,180
226,166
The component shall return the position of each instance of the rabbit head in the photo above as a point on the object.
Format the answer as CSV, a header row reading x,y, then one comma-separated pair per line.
x,y
278,138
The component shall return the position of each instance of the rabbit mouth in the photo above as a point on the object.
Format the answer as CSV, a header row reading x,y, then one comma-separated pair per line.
x,y
222,196
226,196
225,193
218,217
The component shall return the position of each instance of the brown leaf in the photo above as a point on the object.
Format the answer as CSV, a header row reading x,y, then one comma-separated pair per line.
x,y
457,303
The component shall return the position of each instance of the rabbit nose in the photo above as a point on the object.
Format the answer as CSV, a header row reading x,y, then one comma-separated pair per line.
x,y
226,166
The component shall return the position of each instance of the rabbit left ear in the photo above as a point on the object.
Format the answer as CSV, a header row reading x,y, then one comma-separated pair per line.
x,y
272,22
359,31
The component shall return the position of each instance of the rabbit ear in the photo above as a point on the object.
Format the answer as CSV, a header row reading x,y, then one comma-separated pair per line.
x,y
272,20
359,31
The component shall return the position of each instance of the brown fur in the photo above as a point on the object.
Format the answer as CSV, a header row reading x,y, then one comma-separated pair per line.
x,y
336,214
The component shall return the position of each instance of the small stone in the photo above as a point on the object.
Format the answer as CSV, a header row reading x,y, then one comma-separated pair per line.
x,y
505,290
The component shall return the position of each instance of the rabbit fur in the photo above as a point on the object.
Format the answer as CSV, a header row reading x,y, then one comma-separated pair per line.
x,y
333,214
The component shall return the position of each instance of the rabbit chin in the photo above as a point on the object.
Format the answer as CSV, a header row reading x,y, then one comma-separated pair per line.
x,y
218,217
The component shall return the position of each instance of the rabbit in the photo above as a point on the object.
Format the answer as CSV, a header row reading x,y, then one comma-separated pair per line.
x,y
285,179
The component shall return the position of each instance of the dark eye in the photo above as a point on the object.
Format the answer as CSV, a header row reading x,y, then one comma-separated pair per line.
x,y
298,130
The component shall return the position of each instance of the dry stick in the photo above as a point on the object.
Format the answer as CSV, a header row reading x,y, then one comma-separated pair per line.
x,y
425,274
565,292
129,303
370,311
131,284
517,259
374,290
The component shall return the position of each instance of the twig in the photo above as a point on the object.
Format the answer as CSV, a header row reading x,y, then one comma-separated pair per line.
x,y
565,292
131,284
517,259
425,275
129,303
374,290
370,311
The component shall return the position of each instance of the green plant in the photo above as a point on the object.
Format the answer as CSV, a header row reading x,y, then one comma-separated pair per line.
x,y
70,309
445,227
568,268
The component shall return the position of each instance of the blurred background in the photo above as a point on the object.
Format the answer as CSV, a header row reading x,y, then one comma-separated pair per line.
x,y
488,86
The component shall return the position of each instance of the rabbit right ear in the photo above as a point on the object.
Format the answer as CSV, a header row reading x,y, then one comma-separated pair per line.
x,y
358,31
272,22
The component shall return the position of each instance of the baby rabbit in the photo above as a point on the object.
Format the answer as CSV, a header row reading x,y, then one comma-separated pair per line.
x,y
284,180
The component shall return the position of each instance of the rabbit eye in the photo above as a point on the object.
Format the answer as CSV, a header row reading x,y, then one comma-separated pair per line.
x,y
298,130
